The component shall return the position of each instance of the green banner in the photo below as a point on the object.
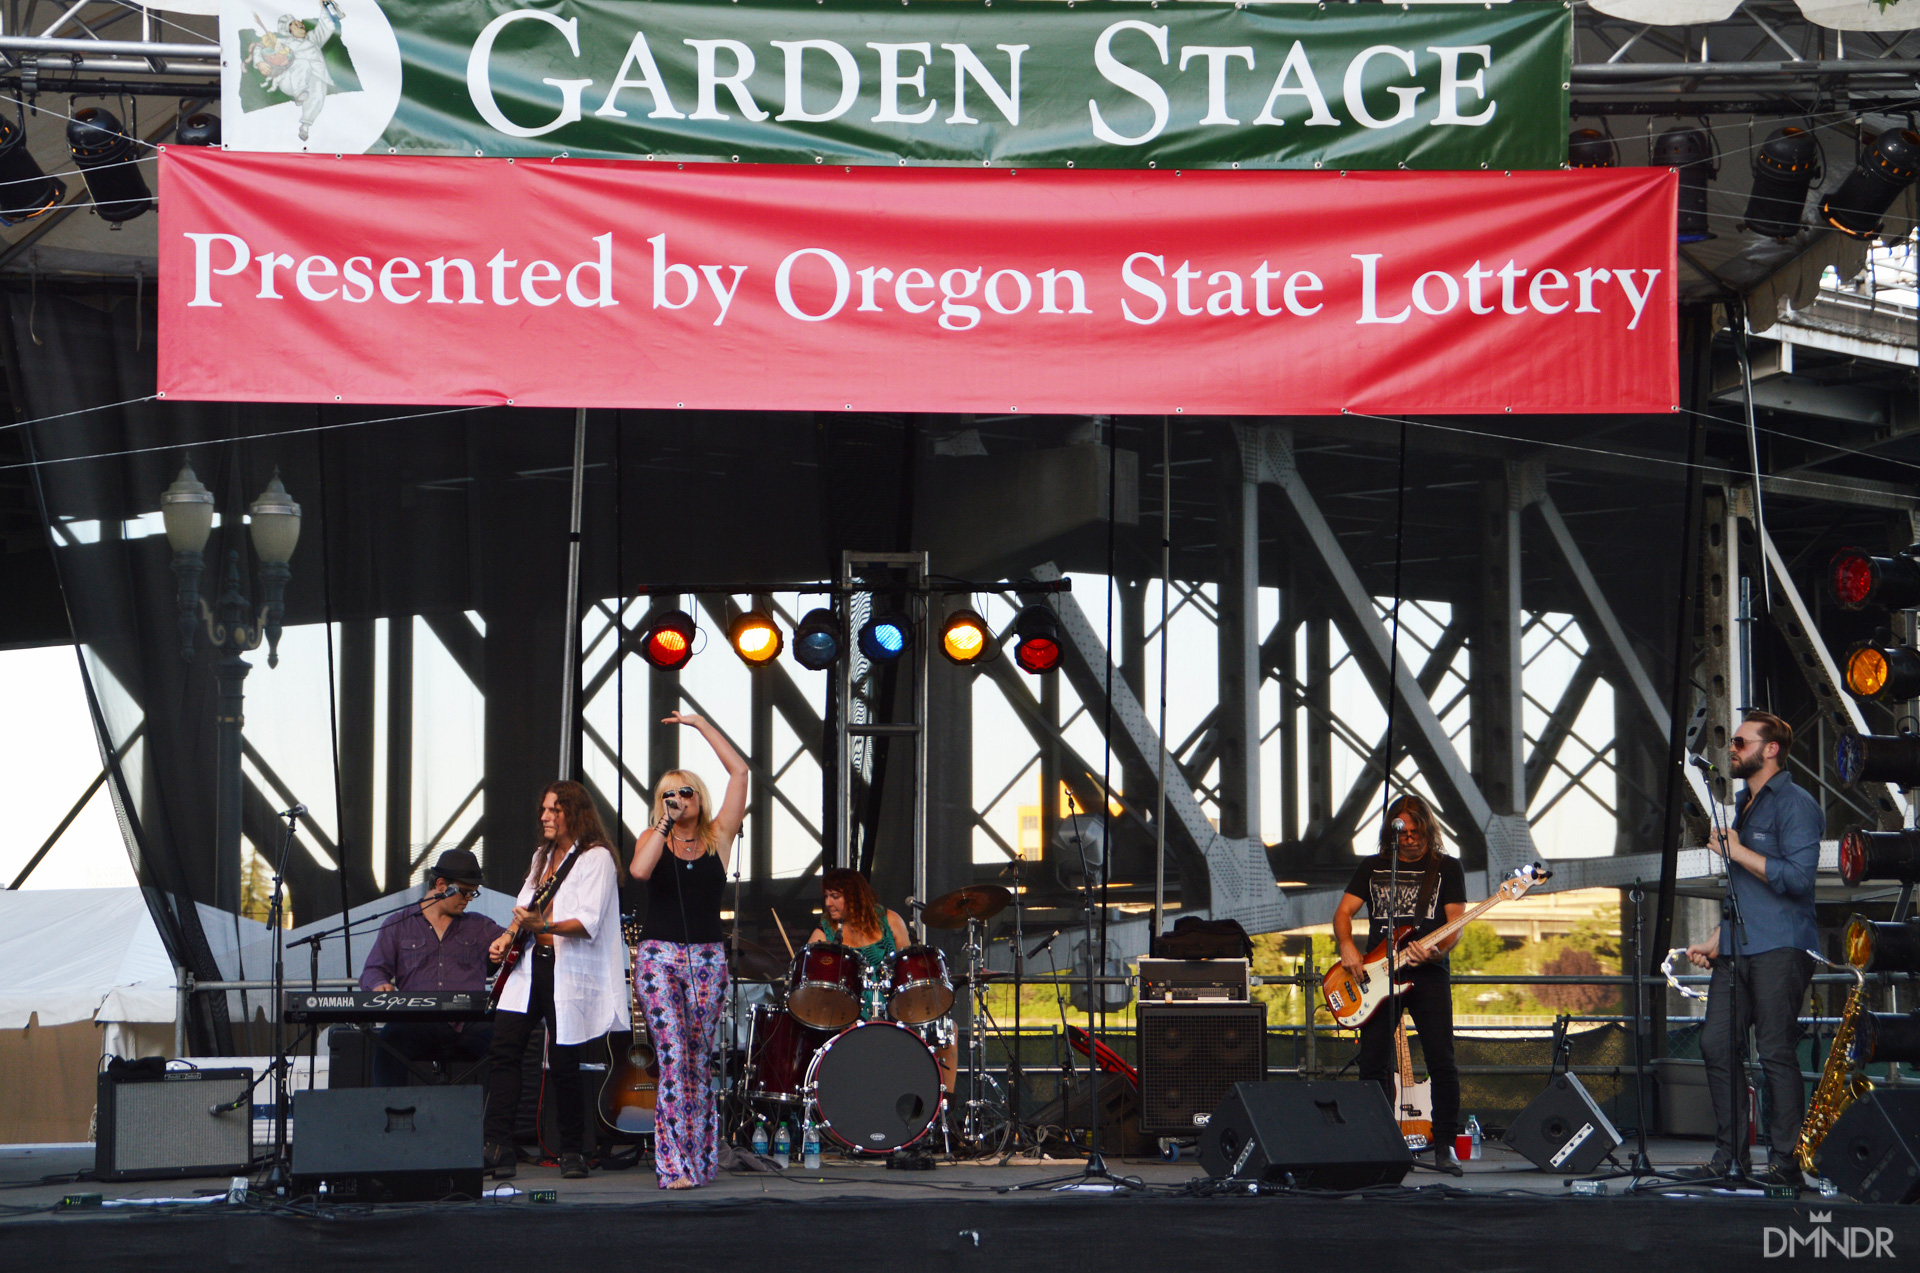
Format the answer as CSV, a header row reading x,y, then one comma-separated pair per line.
x,y
1089,84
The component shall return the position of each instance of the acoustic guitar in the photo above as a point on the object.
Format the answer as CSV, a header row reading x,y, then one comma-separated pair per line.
x,y
632,1090
1353,1000
1412,1102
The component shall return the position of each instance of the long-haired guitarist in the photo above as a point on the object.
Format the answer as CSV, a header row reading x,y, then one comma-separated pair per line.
x,y
1432,889
572,976
680,968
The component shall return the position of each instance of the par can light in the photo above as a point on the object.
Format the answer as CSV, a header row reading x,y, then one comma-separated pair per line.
x,y
1893,758
1784,168
1036,634
107,159
1880,855
1859,579
1885,1036
819,641
666,639
1591,148
886,636
25,191
1883,671
1887,166
965,638
756,638
1691,151
1872,946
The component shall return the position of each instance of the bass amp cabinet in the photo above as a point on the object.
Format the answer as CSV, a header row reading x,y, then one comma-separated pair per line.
x,y
1310,1135
1872,1152
1191,1055
156,1123
388,1144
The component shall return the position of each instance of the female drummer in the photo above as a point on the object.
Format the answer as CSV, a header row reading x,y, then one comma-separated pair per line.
x,y
852,916
680,969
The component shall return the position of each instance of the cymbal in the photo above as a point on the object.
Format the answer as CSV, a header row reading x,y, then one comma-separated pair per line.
x,y
755,962
976,901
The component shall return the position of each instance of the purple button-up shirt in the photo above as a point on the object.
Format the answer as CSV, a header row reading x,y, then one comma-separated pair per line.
x,y
411,957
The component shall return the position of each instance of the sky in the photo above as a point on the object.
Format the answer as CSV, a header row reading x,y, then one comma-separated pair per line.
x,y
45,768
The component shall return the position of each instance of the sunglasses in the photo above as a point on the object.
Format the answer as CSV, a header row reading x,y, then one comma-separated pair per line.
x,y
1737,743
683,793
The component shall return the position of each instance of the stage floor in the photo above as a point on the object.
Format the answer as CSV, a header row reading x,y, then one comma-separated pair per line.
x,y
1502,1214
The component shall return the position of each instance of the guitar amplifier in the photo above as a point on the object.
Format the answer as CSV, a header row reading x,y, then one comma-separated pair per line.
x,y
1191,1055
1194,981
157,1123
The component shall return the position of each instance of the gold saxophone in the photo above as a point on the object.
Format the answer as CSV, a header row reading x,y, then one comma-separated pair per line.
x,y
1840,1084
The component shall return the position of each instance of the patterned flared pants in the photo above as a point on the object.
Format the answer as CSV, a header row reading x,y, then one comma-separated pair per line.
x,y
683,989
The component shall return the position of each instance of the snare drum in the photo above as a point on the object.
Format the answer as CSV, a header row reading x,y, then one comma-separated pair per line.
x,y
779,1051
918,988
876,1087
825,988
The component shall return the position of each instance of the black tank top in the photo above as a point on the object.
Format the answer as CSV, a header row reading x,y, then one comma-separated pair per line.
x,y
690,889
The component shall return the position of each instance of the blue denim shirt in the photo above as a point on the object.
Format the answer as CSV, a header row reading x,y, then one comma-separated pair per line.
x,y
1782,824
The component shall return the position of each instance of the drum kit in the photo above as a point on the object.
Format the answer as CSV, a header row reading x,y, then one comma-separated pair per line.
x,y
872,1085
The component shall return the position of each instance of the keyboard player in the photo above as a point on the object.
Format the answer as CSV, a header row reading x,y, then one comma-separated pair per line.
x,y
436,945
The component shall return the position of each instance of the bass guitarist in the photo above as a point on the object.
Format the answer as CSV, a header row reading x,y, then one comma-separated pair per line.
x,y
572,975
1432,891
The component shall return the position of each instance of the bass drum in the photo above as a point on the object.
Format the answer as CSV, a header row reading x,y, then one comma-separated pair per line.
x,y
779,1049
876,1087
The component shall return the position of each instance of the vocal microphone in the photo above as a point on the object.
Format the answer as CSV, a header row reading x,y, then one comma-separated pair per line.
x,y
298,811
1701,762
673,805
1399,825
226,1107
914,905
1041,949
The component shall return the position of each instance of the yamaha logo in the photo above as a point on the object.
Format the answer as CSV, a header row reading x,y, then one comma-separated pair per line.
x,y
1824,1240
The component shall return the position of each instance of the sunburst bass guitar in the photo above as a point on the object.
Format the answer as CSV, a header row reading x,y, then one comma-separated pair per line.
x,y
1353,1000
1412,1102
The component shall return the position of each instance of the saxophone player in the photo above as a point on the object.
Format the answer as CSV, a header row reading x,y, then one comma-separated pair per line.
x,y
1772,851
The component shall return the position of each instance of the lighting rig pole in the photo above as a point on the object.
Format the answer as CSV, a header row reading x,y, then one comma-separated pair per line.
x,y
233,629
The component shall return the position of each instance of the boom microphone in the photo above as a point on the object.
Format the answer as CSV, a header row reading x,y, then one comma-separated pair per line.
x,y
298,811
1701,762
1041,949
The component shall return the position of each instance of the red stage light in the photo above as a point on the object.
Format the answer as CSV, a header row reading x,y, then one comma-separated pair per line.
x,y
666,640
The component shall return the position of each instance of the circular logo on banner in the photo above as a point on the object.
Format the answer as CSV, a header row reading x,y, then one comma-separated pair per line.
x,y
319,75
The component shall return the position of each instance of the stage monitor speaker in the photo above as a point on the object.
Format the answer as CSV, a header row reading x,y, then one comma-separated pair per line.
x,y
1563,1129
156,1123
1191,1055
1068,1112
1310,1135
1872,1152
388,1144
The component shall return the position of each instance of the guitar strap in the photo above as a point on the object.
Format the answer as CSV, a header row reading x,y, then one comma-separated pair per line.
x,y
1429,884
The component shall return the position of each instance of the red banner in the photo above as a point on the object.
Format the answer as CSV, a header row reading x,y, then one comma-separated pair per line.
x,y
616,284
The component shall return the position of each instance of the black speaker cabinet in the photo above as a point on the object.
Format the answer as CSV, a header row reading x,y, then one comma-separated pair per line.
x,y
388,1144
1317,1135
1873,1151
1068,1112
1190,1058
157,1123
1563,1129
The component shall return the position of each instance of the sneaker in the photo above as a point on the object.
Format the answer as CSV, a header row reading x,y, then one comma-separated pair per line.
x,y
573,1167
499,1161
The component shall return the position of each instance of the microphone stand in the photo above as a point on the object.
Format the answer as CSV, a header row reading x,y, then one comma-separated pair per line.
x,y
278,1177
1736,1039
1095,1175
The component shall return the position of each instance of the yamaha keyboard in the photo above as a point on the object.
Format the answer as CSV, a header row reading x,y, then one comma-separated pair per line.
x,y
351,1006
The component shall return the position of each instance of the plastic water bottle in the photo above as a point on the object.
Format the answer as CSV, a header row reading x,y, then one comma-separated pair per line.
x,y
760,1136
782,1144
810,1147
1473,1130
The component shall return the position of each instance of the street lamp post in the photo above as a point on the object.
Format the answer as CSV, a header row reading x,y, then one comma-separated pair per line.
x,y
233,629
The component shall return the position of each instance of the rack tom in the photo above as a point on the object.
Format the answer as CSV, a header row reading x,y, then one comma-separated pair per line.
x,y
918,987
826,985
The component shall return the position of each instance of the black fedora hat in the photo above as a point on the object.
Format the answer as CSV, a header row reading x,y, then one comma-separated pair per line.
x,y
458,865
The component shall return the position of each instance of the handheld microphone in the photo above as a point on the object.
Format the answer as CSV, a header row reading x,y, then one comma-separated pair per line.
x,y
673,805
1041,949
298,811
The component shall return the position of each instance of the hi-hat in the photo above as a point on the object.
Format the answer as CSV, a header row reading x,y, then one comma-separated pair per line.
x,y
976,901
756,963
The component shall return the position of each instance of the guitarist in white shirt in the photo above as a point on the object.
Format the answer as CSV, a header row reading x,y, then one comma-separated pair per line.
x,y
1432,891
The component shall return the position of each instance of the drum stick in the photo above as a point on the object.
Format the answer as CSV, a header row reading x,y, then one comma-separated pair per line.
x,y
782,929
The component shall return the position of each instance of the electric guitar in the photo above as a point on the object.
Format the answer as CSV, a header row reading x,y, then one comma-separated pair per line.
x,y
1353,1000
542,896
1412,1102
632,1090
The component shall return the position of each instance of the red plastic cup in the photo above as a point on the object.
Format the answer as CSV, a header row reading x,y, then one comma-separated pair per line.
x,y
1462,1147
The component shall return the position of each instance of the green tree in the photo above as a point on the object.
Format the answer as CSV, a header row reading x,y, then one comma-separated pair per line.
x,y
1478,946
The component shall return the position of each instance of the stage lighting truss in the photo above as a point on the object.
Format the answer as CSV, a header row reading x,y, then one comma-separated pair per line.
x,y
886,637
1859,579
1890,758
1882,670
756,638
966,639
1875,946
1036,634
666,639
819,640
1879,855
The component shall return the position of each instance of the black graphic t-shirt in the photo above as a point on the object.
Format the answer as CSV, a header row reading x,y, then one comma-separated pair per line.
x,y
1373,883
